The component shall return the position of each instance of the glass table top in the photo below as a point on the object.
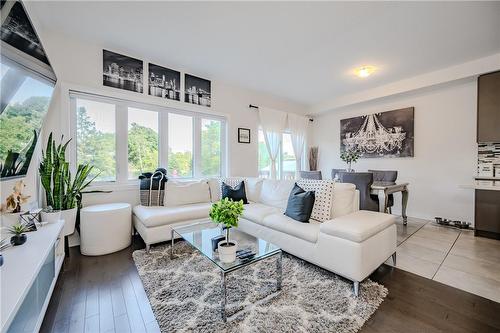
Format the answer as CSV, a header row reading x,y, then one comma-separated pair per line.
x,y
200,235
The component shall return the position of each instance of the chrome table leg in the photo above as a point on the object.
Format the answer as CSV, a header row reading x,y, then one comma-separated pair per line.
x,y
224,296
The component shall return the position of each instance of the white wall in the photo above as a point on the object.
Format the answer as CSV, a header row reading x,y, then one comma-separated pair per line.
x,y
78,66
445,148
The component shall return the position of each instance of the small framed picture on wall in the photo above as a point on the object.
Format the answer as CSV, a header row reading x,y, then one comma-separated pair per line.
x,y
243,135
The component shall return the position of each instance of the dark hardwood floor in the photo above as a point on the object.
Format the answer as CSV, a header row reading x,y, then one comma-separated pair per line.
x,y
105,294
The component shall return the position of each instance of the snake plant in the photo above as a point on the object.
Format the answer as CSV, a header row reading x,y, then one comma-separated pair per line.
x,y
61,190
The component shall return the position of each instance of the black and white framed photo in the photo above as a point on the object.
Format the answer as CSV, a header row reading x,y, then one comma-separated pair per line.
x,y
18,31
197,90
164,82
243,135
122,72
384,134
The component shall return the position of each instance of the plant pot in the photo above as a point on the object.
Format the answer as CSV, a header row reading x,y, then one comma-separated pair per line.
x,y
51,217
18,239
227,253
8,220
68,215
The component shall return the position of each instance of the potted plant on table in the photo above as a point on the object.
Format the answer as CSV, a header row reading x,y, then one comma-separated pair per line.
x,y
18,230
350,156
227,213
62,192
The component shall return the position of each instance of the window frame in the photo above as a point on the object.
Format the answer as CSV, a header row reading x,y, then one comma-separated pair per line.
x,y
279,162
121,135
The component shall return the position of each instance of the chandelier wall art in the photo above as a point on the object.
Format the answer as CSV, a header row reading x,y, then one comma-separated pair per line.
x,y
385,134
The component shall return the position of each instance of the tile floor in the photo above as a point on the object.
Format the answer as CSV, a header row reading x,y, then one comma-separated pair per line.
x,y
450,256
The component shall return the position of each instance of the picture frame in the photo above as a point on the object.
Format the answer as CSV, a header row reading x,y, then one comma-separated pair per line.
x,y
243,135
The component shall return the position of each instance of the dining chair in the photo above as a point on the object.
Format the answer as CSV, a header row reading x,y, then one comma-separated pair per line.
x,y
363,182
385,176
310,175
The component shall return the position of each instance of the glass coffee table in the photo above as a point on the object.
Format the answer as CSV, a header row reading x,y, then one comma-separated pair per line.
x,y
199,235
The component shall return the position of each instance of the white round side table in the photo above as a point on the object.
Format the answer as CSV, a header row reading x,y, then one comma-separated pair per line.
x,y
105,228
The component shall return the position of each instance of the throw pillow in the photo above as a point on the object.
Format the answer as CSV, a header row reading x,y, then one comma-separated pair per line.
x,y
324,197
185,193
236,194
300,204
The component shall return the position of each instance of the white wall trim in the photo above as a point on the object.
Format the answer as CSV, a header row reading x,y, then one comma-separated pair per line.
x,y
465,70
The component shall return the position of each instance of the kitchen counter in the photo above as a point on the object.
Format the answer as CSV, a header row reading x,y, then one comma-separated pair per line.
x,y
489,185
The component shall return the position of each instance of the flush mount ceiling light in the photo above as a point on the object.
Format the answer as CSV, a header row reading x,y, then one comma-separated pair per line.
x,y
364,71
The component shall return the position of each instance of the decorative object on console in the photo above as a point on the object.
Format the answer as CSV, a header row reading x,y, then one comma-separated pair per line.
x,y
349,156
122,72
235,193
11,210
488,159
164,82
300,204
18,230
152,187
227,213
385,134
62,192
197,90
243,135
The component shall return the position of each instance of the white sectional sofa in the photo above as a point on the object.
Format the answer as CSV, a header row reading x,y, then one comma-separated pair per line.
x,y
350,243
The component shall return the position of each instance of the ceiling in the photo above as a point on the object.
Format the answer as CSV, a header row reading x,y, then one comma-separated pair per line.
x,y
301,51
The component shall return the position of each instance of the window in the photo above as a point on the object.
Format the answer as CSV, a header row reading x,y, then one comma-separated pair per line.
x,y
264,160
142,141
286,163
180,146
24,100
95,139
123,139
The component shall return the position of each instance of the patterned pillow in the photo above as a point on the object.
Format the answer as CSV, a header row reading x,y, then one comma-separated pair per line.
x,y
216,185
324,197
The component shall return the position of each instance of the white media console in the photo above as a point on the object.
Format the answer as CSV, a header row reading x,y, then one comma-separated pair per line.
x,y
28,277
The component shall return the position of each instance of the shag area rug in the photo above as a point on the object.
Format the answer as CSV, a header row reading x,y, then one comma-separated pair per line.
x,y
185,295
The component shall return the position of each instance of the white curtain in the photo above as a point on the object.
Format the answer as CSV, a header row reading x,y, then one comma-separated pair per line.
x,y
297,126
273,124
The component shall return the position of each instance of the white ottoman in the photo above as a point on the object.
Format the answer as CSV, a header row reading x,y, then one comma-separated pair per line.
x,y
105,228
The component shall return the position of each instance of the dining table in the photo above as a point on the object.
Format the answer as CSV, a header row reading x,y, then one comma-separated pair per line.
x,y
384,189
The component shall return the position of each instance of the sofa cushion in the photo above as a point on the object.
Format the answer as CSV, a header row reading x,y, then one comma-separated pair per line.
x,y
156,215
306,231
358,226
300,204
184,193
323,190
275,192
236,193
344,195
256,212
253,187
215,185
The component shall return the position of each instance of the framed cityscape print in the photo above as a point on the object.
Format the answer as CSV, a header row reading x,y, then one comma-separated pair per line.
x,y
197,91
122,72
164,82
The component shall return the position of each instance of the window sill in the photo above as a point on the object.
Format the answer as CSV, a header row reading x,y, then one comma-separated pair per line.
x,y
114,186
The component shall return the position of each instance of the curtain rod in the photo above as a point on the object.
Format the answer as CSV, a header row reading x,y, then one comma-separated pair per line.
x,y
251,106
